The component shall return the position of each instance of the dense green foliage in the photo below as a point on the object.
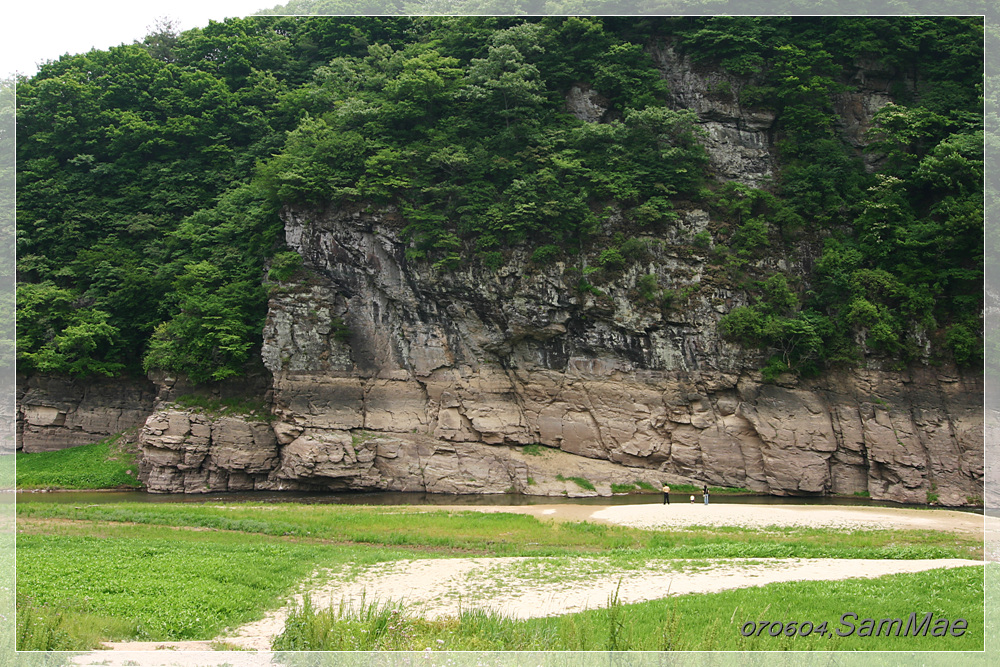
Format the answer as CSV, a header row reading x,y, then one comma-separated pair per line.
x,y
103,465
901,268
141,237
150,175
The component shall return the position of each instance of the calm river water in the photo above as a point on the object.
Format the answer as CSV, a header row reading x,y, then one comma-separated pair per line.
x,y
396,498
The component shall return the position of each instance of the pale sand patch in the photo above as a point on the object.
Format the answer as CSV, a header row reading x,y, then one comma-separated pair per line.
x,y
682,514
801,516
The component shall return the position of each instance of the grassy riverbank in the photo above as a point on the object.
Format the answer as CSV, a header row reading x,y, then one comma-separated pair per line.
x,y
501,534
151,584
166,572
108,464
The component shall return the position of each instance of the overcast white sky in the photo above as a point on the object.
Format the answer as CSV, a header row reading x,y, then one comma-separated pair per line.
x,y
37,33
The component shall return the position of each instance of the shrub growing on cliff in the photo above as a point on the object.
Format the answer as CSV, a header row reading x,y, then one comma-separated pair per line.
x,y
777,322
545,254
965,345
649,287
750,237
284,265
492,259
611,259
746,324
655,212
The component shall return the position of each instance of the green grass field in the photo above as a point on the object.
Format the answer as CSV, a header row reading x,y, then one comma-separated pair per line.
x,y
470,532
167,587
102,465
183,571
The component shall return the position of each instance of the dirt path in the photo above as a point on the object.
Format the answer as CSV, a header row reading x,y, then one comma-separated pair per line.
x,y
534,587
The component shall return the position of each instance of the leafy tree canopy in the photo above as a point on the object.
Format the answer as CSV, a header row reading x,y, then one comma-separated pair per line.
x,y
150,175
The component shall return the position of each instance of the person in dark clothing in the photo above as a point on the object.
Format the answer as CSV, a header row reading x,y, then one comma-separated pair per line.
x,y
666,494
704,490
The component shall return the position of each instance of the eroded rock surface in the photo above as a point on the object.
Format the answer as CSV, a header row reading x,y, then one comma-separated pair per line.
x,y
189,452
390,375
738,138
739,141
55,412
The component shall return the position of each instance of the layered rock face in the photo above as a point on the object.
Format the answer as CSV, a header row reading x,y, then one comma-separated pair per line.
x,y
738,139
187,452
55,412
448,371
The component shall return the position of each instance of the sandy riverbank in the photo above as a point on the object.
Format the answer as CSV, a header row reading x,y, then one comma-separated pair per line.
x,y
679,515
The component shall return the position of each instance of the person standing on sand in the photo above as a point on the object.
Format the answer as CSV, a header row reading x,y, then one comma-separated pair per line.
x,y
704,490
666,494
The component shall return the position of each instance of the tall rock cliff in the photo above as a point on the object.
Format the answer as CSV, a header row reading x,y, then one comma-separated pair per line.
x,y
390,374
448,370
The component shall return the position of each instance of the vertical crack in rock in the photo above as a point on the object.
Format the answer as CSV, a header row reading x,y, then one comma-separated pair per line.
x,y
516,393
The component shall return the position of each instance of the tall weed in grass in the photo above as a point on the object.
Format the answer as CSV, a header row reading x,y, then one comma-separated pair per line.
x,y
38,629
617,628
367,625
491,630
386,626
59,628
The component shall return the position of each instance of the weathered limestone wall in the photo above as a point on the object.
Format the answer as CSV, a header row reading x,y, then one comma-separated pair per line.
x,y
740,143
56,412
428,417
187,452
458,367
